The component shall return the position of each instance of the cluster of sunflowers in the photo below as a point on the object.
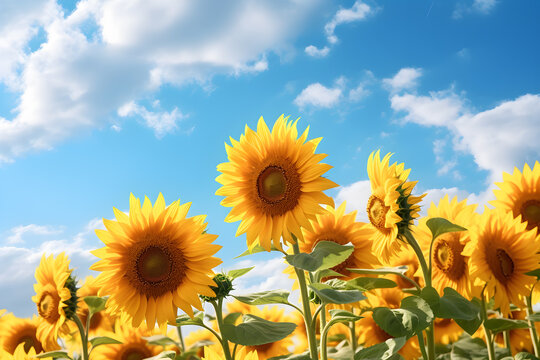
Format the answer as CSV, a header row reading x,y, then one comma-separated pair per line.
x,y
453,285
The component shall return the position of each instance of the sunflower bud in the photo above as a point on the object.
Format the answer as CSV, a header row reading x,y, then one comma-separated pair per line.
x,y
223,288
71,305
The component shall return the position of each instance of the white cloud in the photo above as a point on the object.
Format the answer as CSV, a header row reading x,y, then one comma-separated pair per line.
x,y
356,195
359,11
162,122
318,95
108,53
483,7
358,93
18,232
406,78
267,275
316,52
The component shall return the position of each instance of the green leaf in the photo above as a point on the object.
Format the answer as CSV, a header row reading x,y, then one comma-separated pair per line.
x,y
169,354
453,305
342,353
56,354
535,273
474,349
398,270
330,296
265,297
366,283
325,255
421,309
103,340
160,340
321,274
231,318
525,356
534,317
256,249
302,356
382,351
439,226
498,325
338,315
95,303
396,322
234,274
256,331
184,319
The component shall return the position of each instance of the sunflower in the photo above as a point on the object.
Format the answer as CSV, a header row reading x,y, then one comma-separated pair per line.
x,y
273,182
19,354
341,228
198,338
15,331
446,331
155,261
391,208
449,267
520,194
211,354
406,256
503,252
520,339
101,321
55,298
132,346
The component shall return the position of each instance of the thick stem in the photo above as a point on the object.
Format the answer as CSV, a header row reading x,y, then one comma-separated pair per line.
x,y
430,332
324,334
352,328
181,338
506,337
219,318
310,330
420,337
532,328
487,332
84,335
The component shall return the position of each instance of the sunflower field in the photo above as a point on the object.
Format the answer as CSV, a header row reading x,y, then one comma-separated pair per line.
x,y
456,284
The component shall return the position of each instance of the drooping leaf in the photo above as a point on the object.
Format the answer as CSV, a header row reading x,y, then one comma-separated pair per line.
x,y
257,331
474,349
421,309
95,303
367,283
331,296
382,351
234,274
325,255
231,318
160,340
184,319
498,325
56,354
103,340
265,297
452,305
396,322
439,226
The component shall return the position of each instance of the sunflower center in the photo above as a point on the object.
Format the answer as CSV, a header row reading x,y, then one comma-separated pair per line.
x,y
272,184
377,212
447,256
48,306
506,265
154,264
531,212
135,354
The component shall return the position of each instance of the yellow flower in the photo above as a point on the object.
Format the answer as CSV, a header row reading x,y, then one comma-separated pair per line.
x,y
55,298
198,337
406,256
449,266
133,345
15,331
18,354
500,252
447,331
102,321
520,339
155,261
211,354
391,208
341,228
273,182
520,194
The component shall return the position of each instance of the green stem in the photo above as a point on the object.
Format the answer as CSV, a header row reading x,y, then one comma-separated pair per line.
x,y
353,337
489,338
219,318
84,335
312,340
532,328
506,337
179,331
324,334
422,346
430,332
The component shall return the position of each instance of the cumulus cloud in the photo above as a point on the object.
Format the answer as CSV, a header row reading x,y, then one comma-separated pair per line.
x,y
162,122
314,51
318,95
18,232
108,53
267,275
483,7
406,78
356,195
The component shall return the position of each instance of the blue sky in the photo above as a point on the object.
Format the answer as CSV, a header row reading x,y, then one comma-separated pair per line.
x,y
102,98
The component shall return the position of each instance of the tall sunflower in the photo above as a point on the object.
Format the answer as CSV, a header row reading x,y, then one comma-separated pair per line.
x,y
520,194
19,354
15,331
334,225
503,252
155,261
449,265
133,345
273,182
391,208
55,298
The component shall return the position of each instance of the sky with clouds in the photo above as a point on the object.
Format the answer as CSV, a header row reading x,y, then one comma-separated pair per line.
x,y
99,99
